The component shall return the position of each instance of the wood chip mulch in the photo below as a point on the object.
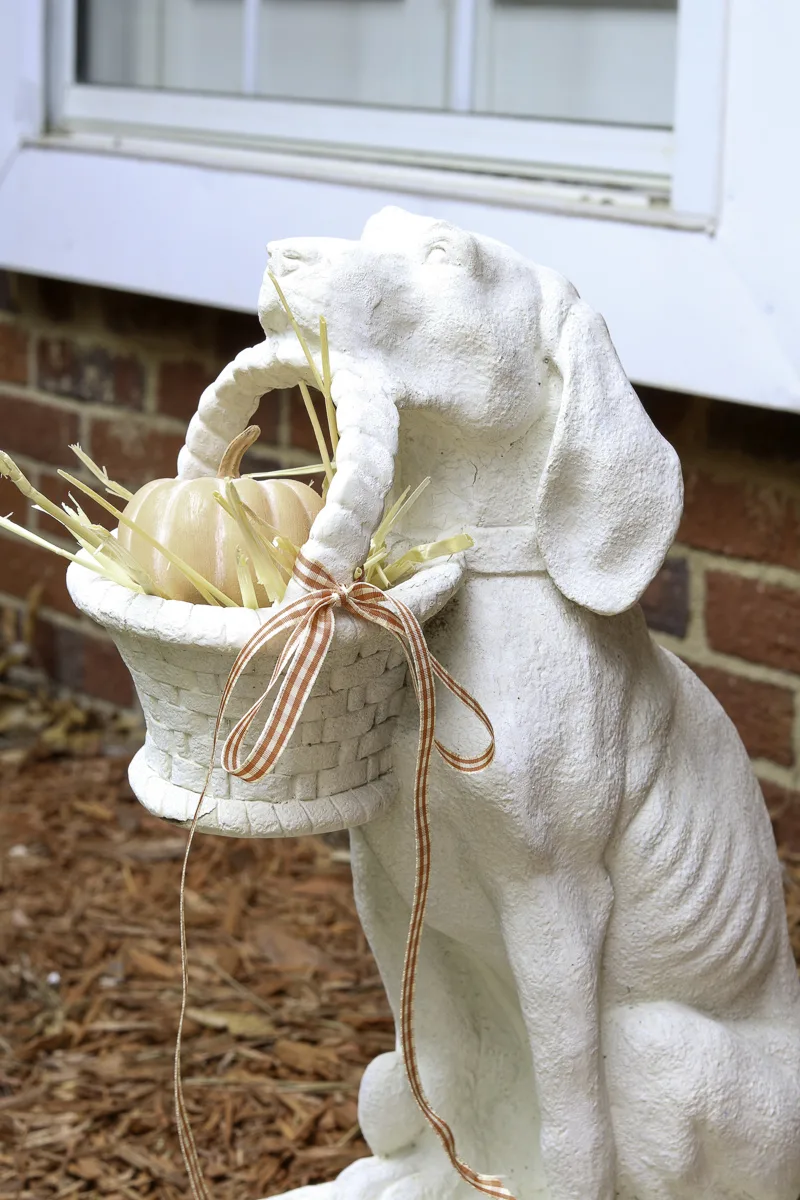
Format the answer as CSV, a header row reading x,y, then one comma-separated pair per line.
x,y
286,1007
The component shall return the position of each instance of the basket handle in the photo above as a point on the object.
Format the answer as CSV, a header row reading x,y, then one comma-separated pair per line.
x,y
226,406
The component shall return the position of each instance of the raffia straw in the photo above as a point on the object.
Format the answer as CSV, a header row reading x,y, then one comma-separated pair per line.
x,y
260,553
286,472
12,527
89,537
333,427
188,1145
210,593
282,551
101,473
318,434
10,470
110,550
323,381
421,554
298,333
246,587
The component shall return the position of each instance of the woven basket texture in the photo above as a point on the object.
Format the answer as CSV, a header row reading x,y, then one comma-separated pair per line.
x,y
343,739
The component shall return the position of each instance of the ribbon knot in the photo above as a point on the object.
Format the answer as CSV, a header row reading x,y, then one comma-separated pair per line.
x,y
311,624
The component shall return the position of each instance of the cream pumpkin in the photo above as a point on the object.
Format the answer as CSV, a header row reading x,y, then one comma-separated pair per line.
x,y
184,516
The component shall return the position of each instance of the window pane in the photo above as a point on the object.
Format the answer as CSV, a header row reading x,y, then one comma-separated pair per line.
x,y
385,52
192,45
606,61
610,61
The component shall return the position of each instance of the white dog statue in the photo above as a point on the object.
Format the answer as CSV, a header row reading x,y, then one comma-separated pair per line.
x,y
607,1004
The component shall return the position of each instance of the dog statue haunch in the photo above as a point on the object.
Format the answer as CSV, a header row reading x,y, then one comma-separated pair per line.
x,y
607,1003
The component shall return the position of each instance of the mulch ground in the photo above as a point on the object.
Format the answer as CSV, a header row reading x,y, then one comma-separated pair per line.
x,y
286,1007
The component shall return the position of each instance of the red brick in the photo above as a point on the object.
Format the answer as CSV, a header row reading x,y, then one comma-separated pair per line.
x,y
85,662
105,674
666,601
23,567
13,354
132,451
12,503
762,712
756,621
784,810
234,331
59,299
90,373
7,298
37,429
154,317
742,517
179,387
756,433
268,417
670,412
58,490
302,433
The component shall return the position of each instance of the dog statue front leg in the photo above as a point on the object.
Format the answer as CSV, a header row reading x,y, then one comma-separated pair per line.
x,y
554,927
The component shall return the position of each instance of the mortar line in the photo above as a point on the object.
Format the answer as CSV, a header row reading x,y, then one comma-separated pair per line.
x,y
755,672
744,568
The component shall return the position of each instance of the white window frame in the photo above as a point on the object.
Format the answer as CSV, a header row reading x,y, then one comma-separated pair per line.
x,y
621,155
698,287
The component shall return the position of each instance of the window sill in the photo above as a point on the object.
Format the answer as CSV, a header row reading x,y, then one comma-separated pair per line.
x,y
641,201
190,222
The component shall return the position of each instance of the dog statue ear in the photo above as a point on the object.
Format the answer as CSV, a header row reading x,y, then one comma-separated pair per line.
x,y
611,494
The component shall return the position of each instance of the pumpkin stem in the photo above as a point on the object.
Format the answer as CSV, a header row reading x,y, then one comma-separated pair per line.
x,y
230,464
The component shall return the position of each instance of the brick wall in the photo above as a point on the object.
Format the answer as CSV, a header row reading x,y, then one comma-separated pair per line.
x,y
122,374
728,597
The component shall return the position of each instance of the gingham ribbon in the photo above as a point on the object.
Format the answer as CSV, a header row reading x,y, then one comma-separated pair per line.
x,y
311,622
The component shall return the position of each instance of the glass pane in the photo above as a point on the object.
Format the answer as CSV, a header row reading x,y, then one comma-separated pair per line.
x,y
609,61
185,45
385,52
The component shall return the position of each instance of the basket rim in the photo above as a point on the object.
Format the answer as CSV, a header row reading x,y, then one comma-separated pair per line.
x,y
179,622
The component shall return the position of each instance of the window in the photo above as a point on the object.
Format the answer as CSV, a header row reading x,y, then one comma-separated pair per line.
x,y
642,148
610,61
564,89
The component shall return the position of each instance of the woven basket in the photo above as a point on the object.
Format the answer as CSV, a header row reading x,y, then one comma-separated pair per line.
x,y
337,770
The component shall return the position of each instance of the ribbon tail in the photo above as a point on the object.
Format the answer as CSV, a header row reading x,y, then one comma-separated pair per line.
x,y
424,668
460,762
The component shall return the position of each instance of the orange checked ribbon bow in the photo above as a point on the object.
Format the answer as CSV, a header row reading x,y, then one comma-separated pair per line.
x,y
311,622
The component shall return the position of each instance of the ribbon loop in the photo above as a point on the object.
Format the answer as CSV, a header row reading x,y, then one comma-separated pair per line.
x,y
311,624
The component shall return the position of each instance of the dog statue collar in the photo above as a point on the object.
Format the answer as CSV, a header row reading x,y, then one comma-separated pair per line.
x,y
504,550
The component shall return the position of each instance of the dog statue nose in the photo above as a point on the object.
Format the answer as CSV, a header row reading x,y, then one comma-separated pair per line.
x,y
287,256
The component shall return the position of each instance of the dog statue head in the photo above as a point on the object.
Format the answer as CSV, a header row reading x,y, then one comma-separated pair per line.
x,y
425,318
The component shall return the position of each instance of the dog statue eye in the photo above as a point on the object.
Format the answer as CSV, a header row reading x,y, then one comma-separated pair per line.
x,y
438,252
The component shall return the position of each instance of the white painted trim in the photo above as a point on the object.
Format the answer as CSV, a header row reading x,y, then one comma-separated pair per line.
x,y
60,55
699,105
577,199
22,75
711,308
251,27
678,313
478,140
462,54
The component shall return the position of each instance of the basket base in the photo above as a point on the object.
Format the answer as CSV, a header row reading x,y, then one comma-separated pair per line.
x,y
259,818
